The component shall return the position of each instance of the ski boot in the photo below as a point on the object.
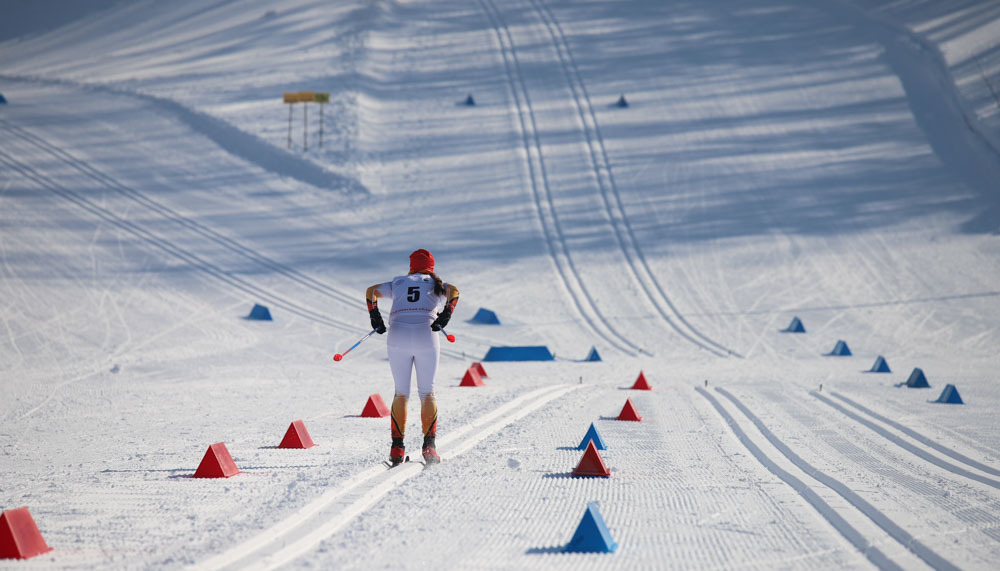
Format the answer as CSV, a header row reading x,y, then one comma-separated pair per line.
x,y
430,454
397,454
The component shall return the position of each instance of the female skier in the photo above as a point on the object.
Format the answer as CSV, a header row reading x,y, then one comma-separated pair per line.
x,y
413,343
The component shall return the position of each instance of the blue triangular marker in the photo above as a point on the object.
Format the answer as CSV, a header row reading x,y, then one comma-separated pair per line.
x,y
917,380
795,326
592,434
486,317
593,355
840,350
880,366
948,396
259,313
592,535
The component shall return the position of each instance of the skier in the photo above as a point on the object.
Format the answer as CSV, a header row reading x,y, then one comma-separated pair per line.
x,y
413,344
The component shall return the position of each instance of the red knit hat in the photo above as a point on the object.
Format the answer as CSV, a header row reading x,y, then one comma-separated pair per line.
x,y
421,262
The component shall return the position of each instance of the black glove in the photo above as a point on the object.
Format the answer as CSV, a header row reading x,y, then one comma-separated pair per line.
x,y
377,324
442,319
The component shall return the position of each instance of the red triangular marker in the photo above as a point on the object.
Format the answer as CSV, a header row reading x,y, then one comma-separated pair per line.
x,y
297,436
479,369
375,407
217,463
19,536
641,384
471,379
628,412
591,464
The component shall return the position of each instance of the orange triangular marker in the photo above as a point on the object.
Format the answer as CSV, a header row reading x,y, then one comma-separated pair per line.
x,y
591,464
375,407
641,384
479,369
19,536
471,379
297,436
217,463
628,412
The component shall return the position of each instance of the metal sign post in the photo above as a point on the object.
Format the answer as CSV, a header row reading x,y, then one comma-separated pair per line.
x,y
322,99
306,97
290,99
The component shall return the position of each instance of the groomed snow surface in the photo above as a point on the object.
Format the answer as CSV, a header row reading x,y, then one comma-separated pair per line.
x,y
835,160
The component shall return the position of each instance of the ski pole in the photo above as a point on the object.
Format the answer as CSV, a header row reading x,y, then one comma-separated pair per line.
x,y
340,356
450,338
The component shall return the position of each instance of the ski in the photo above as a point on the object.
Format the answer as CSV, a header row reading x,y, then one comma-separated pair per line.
x,y
389,465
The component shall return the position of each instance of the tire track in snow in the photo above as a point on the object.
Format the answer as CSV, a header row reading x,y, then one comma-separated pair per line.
x,y
542,195
851,534
880,519
611,197
304,530
917,436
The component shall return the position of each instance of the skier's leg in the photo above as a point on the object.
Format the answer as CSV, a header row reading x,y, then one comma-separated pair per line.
x,y
398,416
401,365
426,362
429,416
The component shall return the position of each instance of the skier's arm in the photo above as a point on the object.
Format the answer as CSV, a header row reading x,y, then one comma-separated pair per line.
x,y
451,293
371,297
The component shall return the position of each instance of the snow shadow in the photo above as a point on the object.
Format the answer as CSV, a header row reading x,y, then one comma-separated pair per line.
x,y
233,140
546,550
255,150
570,475
23,19
849,160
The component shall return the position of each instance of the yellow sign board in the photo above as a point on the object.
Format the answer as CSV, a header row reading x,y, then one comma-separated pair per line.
x,y
305,97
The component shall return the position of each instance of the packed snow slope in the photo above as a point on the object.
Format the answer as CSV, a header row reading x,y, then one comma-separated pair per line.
x,y
835,160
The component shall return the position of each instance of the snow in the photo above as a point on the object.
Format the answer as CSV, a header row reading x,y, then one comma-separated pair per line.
x,y
834,160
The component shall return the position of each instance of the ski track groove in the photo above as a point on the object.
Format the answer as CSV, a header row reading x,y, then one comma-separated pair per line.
x,y
137,196
308,527
880,519
541,192
912,449
601,165
849,533
204,231
165,245
923,484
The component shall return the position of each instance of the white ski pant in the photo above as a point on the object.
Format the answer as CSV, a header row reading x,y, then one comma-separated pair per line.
x,y
413,346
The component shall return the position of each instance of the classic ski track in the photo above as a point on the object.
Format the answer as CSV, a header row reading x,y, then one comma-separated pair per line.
x,y
165,245
193,225
601,164
970,505
311,524
558,250
906,539
849,533
102,178
920,453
